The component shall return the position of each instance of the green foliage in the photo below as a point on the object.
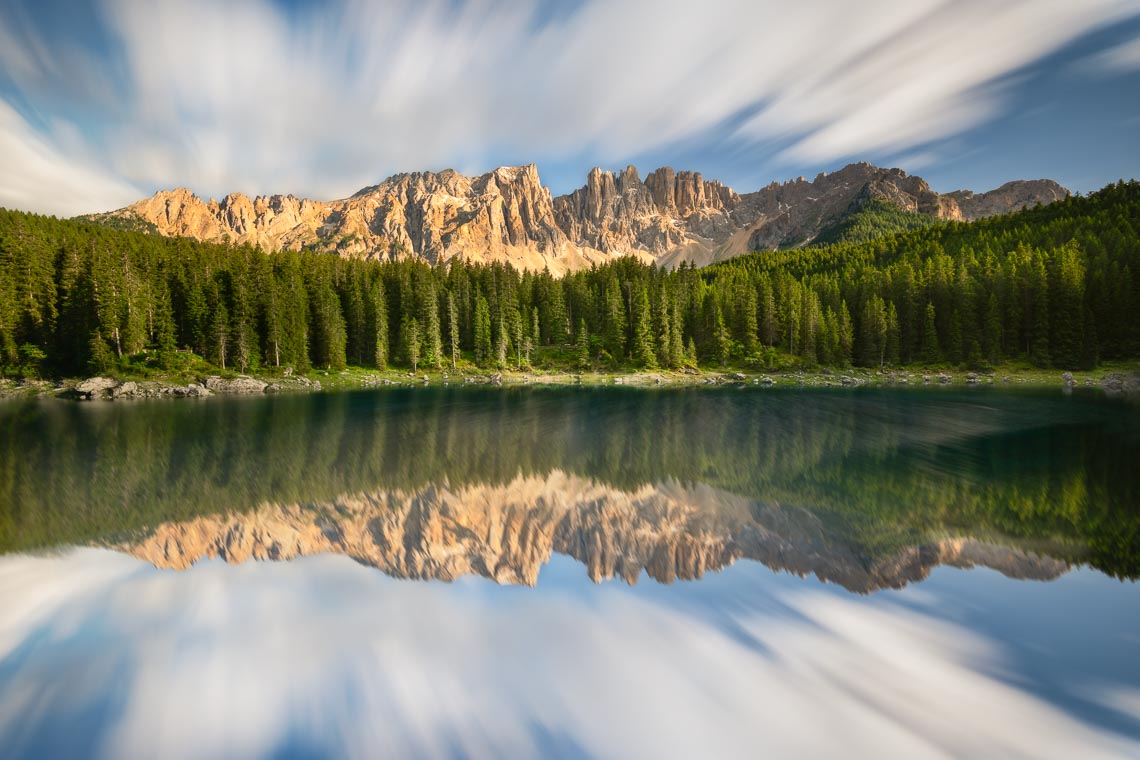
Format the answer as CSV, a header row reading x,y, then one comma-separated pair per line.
x,y
1054,286
870,220
879,469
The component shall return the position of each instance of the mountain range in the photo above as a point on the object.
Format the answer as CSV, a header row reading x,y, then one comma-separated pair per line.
x,y
508,215
508,531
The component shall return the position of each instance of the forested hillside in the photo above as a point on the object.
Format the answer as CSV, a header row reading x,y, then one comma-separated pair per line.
x,y
1055,285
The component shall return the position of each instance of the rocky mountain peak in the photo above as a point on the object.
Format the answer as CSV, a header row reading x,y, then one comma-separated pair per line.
x,y
1012,196
508,215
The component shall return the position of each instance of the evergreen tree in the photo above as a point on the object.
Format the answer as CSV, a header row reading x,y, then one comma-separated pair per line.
x,y
873,333
433,338
379,326
482,331
501,342
614,322
930,352
643,351
453,329
411,339
722,339
582,345
991,331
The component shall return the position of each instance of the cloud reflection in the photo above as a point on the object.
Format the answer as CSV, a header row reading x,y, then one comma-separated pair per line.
x,y
101,654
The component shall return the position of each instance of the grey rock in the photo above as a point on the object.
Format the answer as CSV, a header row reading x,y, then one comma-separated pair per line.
x,y
1117,382
125,390
240,384
95,387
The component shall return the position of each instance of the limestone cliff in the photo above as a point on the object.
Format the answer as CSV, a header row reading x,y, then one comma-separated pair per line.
x,y
507,532
508,216
1012,196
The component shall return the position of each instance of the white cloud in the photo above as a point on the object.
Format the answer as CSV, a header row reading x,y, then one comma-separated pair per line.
x,y
1124,57
238,661
39,175
227,96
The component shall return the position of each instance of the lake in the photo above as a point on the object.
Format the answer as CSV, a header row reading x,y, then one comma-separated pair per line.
x,y
426,572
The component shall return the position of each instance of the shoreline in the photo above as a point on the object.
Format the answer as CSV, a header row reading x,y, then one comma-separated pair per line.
x,y
1113,380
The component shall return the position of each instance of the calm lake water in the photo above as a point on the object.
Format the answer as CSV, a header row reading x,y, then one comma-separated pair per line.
x,y
576,572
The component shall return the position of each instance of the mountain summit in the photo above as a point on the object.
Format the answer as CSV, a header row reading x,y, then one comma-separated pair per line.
x,y
508,215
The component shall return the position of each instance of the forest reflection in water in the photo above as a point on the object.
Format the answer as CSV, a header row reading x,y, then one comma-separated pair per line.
x,y
869,488
124,634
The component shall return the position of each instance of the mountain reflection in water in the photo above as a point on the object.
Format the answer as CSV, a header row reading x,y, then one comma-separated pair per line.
x,y
123,634
889,477
508,532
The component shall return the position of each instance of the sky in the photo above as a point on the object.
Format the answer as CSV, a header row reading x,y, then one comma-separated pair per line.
x,y
103,102
105,656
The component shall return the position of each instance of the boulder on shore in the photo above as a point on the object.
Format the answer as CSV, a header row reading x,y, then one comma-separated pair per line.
x,y
1117,382
105,387
124,390
239,384
95,387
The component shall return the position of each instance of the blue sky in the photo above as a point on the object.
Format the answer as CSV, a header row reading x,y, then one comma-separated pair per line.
x,y
105,101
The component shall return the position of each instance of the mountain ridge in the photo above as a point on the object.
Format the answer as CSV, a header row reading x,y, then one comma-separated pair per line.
x,y
507,532
507,215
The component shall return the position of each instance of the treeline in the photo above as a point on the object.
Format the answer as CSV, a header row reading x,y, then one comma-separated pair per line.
x,y
1054,285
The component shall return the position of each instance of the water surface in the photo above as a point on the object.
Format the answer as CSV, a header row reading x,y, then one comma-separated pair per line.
x,y
602,572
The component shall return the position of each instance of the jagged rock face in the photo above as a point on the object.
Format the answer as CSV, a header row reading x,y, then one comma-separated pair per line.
x,y
274,222
508,532
508,215
1012,196
791,214
667,213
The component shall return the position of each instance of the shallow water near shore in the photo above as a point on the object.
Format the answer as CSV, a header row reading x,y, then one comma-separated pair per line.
x,y
559,571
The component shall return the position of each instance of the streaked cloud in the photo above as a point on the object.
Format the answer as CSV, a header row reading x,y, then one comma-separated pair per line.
x,y
324,99
337,659
1120,58
39,173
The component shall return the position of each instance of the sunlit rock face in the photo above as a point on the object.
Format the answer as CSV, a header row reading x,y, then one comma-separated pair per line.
x,y
1012,196
509,216
508,532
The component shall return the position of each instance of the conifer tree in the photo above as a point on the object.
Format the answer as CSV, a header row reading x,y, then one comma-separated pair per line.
x,y
614,321
482,331
411,340
582,345
643,352
453,329
930,352
433,338
501,342
380,338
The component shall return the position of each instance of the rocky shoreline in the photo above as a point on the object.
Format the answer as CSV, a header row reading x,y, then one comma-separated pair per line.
x,y
113,389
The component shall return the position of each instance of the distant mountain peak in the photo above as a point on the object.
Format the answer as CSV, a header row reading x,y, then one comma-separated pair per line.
x,y
508,215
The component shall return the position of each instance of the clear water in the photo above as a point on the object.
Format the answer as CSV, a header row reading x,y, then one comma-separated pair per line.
x,y
613,573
